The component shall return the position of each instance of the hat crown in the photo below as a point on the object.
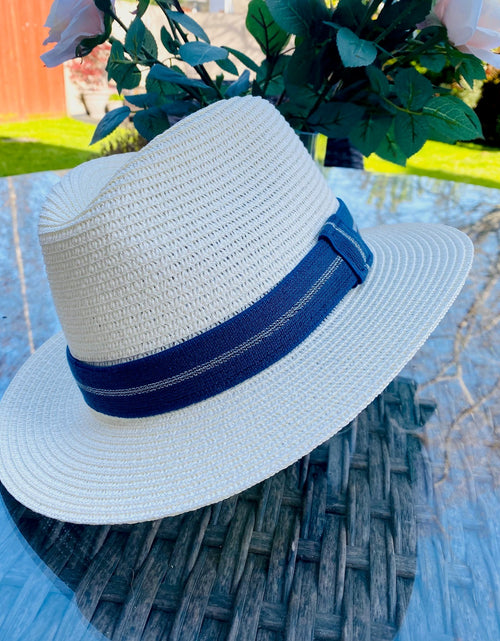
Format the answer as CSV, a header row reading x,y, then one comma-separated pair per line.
x,y
171,241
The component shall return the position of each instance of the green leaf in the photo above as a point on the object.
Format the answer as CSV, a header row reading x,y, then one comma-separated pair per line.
x,y
240,86
369,132
109,123
103,5
257,90
170,44
335,119
149,46
355,52
378,80
151,122
298,107
471,68
154,120
227,65
271,76
135,37
303,99
139,41
163,90
198,53
390,150
159,72
298,16
434,62
142,5
413,90
349,13
209,93
143,100
303,65
449,119
411,132
261,24
455,57
248,62
188,23
122,70
404,15
180,108
333,25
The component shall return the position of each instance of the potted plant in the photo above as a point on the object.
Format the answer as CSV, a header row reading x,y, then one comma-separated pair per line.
x,y
355,69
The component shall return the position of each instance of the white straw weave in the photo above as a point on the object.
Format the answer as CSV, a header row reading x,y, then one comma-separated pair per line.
x,y
146,250
188,232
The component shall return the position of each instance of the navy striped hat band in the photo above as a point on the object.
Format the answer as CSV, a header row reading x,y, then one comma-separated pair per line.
x,y
240,347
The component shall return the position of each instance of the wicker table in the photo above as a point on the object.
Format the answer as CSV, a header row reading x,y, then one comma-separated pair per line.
x,y
389,530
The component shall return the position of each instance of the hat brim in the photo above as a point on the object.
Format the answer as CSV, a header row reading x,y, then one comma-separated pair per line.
x,y
61,458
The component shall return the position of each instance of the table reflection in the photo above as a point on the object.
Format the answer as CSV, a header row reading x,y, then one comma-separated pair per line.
x,y
392,530
457,585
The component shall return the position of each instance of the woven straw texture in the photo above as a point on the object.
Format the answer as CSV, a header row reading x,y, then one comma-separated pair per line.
x,y
323,550
147,251
188,232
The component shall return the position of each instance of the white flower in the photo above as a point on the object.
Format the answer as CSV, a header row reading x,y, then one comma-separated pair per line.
x,y
473,26
70,21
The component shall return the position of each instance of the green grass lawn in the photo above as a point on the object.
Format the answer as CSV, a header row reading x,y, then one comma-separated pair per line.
x,y
40,145
464,162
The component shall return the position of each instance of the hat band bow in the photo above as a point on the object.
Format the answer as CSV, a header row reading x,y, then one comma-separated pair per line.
x,y
240,347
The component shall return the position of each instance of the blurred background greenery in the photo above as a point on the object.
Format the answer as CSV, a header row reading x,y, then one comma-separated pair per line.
x,y
55,144
61,143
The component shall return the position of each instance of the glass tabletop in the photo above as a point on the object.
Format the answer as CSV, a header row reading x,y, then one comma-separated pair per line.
x,y
408,547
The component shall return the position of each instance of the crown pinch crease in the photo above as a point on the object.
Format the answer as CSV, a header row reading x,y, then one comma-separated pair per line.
x,y
242,346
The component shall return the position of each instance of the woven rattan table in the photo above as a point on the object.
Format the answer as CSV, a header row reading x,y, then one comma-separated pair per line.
x,y
391,530
326,549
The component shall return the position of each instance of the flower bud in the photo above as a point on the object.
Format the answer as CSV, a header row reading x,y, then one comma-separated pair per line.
x,y
70,22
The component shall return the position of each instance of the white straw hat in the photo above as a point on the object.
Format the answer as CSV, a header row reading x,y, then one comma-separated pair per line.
x,y
182,252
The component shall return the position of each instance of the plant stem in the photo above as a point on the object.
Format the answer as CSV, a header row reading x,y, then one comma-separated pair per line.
x,y
200,69
437,37
117,19
150,60
393,25
177,5
280,99
320,99
403,109
369,13
270,68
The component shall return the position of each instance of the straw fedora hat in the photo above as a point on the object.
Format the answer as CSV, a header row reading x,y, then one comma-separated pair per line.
x,y
222,316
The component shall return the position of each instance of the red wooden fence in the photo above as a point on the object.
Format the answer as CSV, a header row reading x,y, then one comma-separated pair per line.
x,y
27,87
